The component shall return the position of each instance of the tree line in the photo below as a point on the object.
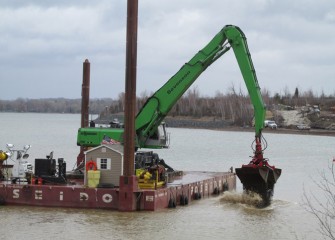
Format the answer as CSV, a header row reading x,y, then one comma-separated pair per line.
x,y
53,105
234,105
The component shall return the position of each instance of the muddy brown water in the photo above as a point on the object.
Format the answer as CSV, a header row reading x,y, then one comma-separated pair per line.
x,y
229,216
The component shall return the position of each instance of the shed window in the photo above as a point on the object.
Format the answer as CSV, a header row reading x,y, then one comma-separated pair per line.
x,y
104,163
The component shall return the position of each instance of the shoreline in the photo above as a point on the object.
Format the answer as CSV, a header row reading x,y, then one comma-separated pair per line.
x,y
313,132
227,126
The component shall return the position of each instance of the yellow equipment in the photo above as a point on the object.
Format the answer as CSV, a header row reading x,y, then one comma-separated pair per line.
x,y
151,178
3,156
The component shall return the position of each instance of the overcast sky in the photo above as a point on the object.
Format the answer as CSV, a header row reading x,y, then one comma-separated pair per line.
x,y
43,45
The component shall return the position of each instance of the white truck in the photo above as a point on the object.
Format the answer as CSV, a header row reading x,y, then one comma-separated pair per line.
x,y
270,124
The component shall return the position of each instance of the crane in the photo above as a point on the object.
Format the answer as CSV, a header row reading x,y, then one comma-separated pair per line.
x,y
257,176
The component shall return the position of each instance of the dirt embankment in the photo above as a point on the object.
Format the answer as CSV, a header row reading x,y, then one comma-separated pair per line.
x,y
324,120
293,118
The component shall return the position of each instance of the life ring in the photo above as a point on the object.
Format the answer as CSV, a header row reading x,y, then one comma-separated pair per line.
x,y
91,165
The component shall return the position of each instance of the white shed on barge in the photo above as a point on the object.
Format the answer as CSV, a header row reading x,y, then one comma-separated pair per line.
x,y
108,159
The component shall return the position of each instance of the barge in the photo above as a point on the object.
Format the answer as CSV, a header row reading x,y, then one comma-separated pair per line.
x,y
99,181
190,187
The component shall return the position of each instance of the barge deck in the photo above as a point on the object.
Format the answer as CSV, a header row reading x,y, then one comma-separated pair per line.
x,y
183,190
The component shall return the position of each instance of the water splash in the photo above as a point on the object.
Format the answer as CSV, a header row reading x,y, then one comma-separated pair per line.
x,y
251,199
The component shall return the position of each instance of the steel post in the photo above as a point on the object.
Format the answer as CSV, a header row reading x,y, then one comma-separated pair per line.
x,y
130,88
85,94
128,182
85,99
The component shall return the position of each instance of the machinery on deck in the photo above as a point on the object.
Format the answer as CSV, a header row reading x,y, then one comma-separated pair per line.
x,y
17,169
47,171
257,176
151,170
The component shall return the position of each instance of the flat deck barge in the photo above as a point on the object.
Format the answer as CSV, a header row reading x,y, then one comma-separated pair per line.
x,y
183,190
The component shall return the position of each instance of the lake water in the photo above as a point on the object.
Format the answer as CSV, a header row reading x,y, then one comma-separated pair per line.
x,y
301,157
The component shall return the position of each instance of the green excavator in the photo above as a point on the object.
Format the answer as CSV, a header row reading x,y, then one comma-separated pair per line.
x,y
256,176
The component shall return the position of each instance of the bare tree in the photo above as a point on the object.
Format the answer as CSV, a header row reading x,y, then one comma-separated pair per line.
x,y
322,203
193,96
219,105
266,96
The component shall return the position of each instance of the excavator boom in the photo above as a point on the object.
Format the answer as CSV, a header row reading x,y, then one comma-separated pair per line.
x,y
159,105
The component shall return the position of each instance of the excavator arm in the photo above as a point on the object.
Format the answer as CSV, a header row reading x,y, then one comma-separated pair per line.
x,y
257,176
159,105
149,119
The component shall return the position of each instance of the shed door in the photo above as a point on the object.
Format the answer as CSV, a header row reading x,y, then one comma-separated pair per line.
x,y
104,163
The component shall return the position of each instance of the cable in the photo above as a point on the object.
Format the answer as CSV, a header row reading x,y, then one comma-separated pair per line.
x,y
265,143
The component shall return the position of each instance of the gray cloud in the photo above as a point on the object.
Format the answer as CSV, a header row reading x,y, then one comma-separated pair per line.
x,y
43,45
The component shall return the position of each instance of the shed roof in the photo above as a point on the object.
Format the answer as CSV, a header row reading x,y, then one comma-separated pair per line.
x,y
114,147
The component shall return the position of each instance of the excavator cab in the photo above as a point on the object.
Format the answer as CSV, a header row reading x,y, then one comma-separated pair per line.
x,y
93,136
160,138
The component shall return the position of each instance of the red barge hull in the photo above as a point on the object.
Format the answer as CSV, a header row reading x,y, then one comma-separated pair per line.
x,y
191,186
